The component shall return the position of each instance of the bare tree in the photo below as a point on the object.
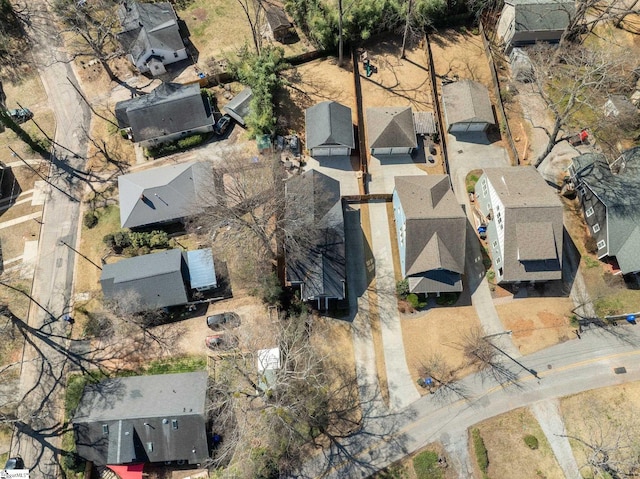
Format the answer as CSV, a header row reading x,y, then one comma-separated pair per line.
x,y
481,353
92,27
254,13
576,86
591,13
445,386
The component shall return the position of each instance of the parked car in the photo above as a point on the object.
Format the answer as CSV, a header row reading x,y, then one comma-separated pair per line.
x,y
20,115
14,463
222,125
221,341
229,319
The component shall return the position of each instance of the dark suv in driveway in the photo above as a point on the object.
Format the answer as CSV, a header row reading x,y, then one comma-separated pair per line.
x,y
14,463
220,320
222,125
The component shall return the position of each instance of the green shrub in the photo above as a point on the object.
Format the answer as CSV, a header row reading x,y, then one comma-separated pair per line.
x,y
531,441
190,141
72,462
482,457
90,219
269,289
415,302
447,299
402,288
426,465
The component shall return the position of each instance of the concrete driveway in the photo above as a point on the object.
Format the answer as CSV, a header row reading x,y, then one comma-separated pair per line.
x,y
384,169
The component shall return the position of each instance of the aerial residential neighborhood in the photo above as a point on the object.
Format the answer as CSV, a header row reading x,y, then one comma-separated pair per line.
x,y
385,240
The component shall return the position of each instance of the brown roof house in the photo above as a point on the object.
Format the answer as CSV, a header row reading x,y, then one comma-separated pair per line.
x,y
524,227
430,227
391,131
467,106
277,25
151,35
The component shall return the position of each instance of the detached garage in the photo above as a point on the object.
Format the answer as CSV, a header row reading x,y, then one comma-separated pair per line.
x,y
329,129
467,107
391,131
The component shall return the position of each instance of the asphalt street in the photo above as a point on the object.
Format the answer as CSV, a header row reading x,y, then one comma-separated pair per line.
x,y
568,368
37,437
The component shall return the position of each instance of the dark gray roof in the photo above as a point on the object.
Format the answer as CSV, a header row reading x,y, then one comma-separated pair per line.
x,y
117,419
435,231
542,15
239,106
160,195
619,193
276,17
329,124
168,109
467,101
313,199
533,224
150,281
391,127
436,281
148,26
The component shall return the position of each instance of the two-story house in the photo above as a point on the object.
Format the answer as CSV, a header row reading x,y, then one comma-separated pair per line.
x,y
524,227
609,205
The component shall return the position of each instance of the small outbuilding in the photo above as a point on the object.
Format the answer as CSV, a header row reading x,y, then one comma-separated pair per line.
x,y
329,129
239,106
391,131
467,106
278,26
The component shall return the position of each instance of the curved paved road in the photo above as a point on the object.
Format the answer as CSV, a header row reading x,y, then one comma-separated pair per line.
x,y
565,369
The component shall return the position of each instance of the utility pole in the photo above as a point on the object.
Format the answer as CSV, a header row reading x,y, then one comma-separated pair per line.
x,y
79,253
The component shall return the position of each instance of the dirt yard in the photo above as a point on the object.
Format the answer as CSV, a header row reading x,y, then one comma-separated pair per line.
x,y
311,83
537,323
438,332
605,418
509,456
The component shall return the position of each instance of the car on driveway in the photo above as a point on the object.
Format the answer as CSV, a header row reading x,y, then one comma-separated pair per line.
x,y
20,115
221,320
14,463
222,125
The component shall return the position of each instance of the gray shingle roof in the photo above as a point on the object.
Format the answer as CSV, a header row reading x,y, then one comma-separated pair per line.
x,y
618,192
239,106
168,109
118,418
329,124
321,267
150,281
147,26
276,17
161,194
435,231
542,15
467,101
391,127
533,224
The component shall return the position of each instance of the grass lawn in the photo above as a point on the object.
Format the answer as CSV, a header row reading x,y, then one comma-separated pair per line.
x,y
508,454
421,465
87,277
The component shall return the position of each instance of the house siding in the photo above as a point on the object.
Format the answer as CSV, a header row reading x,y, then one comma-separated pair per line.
x,y
588,200
487,202
175,136
401,230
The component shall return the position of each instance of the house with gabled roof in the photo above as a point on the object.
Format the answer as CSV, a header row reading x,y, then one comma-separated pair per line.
x,y
162,195
151,35
315,252
391,131
607,193
524,22
143,420
524,224
170,112
240,106
467,106
277,25
431,232
329,129
158,280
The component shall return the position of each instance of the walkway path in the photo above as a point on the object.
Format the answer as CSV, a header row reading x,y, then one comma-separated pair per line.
x,y
402,389
548,415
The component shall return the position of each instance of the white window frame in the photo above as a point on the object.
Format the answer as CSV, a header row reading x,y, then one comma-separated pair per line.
x,y
498,260
589,212
601,244
596,227
495,243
